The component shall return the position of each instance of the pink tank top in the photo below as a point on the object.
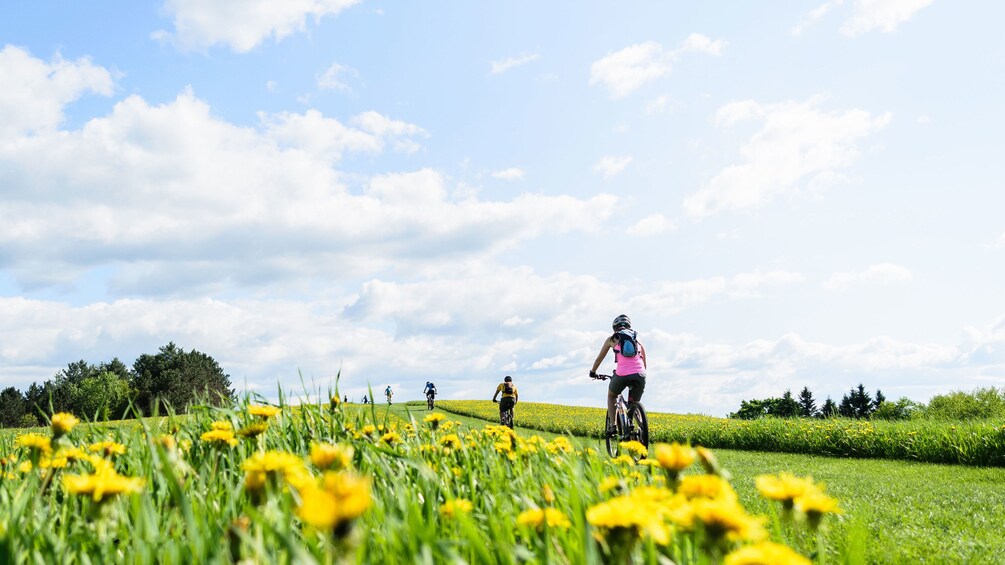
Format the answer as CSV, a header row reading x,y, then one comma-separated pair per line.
x,y
627,365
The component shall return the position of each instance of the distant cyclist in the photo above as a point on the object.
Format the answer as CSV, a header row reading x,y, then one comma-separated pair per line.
x,y
388,392
510,396
430,392
630,366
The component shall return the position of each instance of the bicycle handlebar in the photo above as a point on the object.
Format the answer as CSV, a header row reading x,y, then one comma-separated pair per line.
x,y
600,377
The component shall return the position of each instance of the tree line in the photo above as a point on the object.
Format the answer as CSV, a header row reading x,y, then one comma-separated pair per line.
x,y
110,390
856,403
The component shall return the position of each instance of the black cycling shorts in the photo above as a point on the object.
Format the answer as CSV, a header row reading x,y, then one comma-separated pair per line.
x,y
635,382
506,403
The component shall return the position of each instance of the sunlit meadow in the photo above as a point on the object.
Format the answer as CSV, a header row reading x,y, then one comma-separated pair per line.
x,y
327,482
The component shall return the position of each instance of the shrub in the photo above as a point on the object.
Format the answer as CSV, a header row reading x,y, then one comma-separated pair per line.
x,y
902,409
982,403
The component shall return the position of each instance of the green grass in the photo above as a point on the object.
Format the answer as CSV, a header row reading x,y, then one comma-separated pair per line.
x,y
978,442
909,512
195,507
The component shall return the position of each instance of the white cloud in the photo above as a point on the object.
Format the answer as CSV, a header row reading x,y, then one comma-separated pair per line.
x,y
499,67
814,15
866,16
35,92
167,197
334,78
611,165
512,173
797,144
655,224
1001,241
884,15
883,274
659,105
242,24
625,71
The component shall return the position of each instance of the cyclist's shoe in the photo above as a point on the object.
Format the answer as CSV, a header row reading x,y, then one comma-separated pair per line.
x,y
611,431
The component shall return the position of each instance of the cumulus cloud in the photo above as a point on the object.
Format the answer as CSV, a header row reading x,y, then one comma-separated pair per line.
x,y
884,15
866,16
654,224
36,92
170,196
242,24
512,173
883,274
501,66
798,145
335,78
627,70
611,165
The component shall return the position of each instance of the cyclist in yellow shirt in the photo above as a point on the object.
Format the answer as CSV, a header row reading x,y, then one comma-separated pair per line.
x,y
510,397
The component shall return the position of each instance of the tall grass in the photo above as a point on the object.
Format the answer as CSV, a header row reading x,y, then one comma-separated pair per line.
x,y
270,485
975,442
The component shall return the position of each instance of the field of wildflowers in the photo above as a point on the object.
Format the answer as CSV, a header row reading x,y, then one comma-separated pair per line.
x,y
979,442
327,483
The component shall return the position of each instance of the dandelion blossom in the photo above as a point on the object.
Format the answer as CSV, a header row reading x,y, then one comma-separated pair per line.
x,y
765,553
62,423
538,518
102,484
453,508
326,456
263,411
219,438
675,457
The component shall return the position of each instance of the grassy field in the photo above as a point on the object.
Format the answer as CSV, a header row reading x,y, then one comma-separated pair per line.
x,y
974,442
376,484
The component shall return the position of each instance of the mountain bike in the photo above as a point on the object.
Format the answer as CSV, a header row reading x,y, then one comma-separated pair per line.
x,y
630,422
506,416
430,399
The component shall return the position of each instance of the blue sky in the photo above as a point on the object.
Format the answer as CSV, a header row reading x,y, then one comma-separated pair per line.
x,y
782,195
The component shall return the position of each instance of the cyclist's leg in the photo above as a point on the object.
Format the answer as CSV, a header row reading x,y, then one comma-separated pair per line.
x,y
636,384
618,384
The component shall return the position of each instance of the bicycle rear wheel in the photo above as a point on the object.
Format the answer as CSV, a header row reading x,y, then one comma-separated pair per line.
x,y
638,424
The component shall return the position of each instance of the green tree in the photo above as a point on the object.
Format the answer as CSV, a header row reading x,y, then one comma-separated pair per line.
x,y
12,408
177,378
102,397
856,404
784,407
829,409
807,406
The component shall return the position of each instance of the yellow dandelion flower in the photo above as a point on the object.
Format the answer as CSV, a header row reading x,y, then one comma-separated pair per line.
x,y
253,430
36,443
548,494
369,429
263,411
765,553
625,516
334,402
724,520
560,444
784,487
219,438
221,425
706,486
635,448
675,457
102,484
107,448
453,508
539,518
450,441
271,466
390,438
626,460
815,504
435,418
326,456
612,483
341,498
63,423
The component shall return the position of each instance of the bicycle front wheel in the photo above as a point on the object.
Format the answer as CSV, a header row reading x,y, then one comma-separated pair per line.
x,y
613,440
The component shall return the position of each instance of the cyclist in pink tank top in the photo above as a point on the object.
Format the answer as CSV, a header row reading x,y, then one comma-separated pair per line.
x,y
630,370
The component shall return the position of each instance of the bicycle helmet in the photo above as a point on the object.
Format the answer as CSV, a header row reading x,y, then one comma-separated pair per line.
x,y
622,321
508,379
